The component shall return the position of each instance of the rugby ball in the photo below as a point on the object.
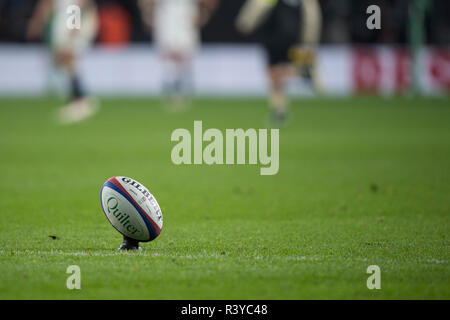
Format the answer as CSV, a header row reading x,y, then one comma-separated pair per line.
x,y
131,208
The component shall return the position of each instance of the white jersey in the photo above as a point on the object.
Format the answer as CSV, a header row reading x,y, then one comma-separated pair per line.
x,y
60,6
75,40
176,28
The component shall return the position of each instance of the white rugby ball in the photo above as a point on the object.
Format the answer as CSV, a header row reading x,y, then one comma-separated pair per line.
x,y
131,208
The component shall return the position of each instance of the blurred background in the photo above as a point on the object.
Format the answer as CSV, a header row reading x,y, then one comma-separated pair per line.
x,y
350,58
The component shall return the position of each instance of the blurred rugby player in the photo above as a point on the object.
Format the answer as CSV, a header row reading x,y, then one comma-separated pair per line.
x,y
66,44
289,30
176,29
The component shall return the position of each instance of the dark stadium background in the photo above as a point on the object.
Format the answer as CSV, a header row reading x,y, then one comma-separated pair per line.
x,y
341,21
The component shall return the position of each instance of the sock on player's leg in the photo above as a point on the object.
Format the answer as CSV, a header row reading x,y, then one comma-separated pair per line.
x,y
278,106
278,101
76,91
277,98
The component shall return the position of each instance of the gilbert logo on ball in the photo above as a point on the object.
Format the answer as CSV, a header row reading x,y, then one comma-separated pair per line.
x,y
131,208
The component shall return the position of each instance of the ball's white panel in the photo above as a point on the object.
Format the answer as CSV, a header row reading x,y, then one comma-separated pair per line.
x,y
123,215
144,198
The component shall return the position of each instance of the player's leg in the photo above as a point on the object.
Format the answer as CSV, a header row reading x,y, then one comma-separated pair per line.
x,y
79,107
279,69
304,55
278,101
177,80
64,59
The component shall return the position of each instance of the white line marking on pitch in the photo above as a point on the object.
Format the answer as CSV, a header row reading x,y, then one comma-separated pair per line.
x,y
198,256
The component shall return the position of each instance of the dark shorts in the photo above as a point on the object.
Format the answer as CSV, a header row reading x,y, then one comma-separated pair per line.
x,y
280,31
277,54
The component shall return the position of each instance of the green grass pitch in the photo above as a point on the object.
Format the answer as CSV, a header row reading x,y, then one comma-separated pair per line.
x,y
362,181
